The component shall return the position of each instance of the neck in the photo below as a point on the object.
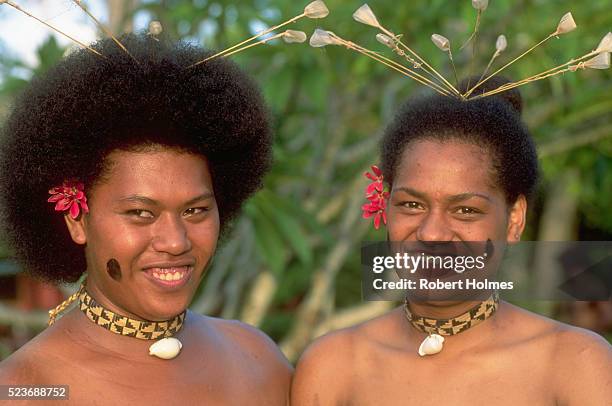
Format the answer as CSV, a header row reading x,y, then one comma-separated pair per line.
x,y
103,300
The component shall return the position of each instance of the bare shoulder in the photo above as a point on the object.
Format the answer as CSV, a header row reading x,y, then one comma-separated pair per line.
x,y
583,350
565,339
27,365
249,338
342,345
581,360
252,344
584,370
325,371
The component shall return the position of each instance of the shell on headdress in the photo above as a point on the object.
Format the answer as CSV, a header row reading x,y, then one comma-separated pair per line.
x,y
166,348
365,15
606,43
480,5
601,61
155,28
321,38
432,344
566,24
441,42
316,9
501,44
385,40
293,36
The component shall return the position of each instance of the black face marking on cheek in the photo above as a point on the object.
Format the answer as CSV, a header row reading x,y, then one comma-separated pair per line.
x,y
114,269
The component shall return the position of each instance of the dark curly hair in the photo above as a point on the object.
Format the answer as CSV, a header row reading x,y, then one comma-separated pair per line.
x,y
69,119
492,122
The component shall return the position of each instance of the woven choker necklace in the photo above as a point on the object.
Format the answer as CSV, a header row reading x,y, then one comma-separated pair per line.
x,y
437,328
167,347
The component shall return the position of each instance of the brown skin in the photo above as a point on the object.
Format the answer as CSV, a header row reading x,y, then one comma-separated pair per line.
x,y
154,207
514,358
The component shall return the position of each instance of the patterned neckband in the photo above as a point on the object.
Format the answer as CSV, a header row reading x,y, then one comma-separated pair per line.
x,y
455,325
144,330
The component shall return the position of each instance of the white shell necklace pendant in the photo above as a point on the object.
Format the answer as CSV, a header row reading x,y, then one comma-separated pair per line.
x,y
166,348
435,328
432,344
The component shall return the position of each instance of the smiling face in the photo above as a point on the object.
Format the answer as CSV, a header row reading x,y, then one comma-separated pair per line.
x,y
154,212
446,191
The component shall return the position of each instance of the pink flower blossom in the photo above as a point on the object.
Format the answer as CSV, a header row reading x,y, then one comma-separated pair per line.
x,y
377,198
69,197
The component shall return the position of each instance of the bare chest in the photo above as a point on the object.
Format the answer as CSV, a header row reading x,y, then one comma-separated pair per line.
x,y
498,378
189,379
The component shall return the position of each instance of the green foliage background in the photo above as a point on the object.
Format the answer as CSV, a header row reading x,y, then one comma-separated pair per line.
x,y
291,266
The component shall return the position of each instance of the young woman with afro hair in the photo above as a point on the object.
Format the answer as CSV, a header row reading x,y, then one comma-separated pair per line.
x,y
459,175
145,161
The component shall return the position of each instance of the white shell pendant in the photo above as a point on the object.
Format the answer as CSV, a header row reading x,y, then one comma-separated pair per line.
x,y
166,348
432,344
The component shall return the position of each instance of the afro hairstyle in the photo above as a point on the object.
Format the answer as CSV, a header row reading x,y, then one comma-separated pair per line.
x,y
72,117
493,123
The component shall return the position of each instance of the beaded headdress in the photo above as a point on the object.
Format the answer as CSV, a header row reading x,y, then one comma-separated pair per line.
x,y
313,10
413,66
70,196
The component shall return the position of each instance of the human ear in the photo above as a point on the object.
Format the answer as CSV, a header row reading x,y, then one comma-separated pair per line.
x,y
76,228
516,220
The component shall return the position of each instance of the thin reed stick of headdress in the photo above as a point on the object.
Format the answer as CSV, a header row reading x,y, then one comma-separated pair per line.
x,y
480,6
432,70
552,70
471,90
474,33
365,15
392,44
315,9
228,50
444,45
103,28
322,38
393,64
566,25
604,47
579,64
263,41
76,41
500,46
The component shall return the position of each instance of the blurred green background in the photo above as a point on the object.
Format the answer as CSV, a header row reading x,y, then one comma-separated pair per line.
x,y
292,263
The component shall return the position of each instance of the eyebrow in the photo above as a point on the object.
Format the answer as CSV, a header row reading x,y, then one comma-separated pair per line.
x,y
451,199
151,202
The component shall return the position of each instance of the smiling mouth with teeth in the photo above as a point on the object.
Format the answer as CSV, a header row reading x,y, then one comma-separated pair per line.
x,y
169,274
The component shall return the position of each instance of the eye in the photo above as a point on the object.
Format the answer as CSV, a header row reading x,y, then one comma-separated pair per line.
x,y
413,205
194,211
145,214
467,211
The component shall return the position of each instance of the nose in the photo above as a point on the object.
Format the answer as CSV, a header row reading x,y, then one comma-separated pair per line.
x,y
434,227
170,236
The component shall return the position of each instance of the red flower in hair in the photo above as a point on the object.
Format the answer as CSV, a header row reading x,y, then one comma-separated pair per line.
x,y
377,198
69,197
